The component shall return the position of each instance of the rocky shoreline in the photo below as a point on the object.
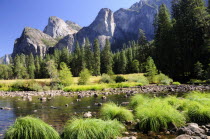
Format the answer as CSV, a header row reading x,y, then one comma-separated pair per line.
x,y
153,89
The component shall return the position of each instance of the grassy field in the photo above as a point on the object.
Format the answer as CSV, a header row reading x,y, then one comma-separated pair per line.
x,y
93,79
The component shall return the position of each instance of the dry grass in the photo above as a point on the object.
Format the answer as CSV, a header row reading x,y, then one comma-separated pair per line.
x,y
93,79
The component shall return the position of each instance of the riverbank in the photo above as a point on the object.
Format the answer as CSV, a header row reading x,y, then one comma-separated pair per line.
x,y
127,91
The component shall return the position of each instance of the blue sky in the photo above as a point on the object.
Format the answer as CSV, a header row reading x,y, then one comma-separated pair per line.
x,y
17,14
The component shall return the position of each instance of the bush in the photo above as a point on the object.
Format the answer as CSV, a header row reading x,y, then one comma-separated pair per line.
x,y
162,79
156,115
92,129
84,77
176,83
111,111
105,78
31,128
36,87
139,79
119,79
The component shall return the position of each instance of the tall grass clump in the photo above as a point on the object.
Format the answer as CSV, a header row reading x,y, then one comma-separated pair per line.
x,y
92,129
31,128
111,111
203,98
138,99
157,115
196,112
175,102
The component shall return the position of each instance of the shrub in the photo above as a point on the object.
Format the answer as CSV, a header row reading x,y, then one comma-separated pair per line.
x,y
176,83
119,79
111,111
92,129
139,79
84,77
162,79
156,115
31,128
105,78
36,87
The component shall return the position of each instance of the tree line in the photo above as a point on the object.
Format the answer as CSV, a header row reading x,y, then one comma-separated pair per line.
x,y
180,49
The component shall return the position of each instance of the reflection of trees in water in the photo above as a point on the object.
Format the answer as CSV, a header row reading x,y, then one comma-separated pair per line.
x,y
59,116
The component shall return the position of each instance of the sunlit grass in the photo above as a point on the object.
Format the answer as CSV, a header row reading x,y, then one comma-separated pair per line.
x,y
31,128
156,114
111,111
92,129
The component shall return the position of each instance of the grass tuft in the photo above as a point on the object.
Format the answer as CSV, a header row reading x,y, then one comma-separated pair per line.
x,y
111,111
31,128
92,129
156,115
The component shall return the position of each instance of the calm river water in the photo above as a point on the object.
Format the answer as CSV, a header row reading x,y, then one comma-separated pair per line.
x,y
47,112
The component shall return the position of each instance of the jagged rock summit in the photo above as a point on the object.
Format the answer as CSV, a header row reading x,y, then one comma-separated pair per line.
x,y
33,41
119,27
57,28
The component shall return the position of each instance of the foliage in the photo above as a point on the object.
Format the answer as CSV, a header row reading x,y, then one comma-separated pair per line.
x,y
119,79
65,75
31,128
92,129
162,79
84,77
139,79
111,111
176,83
105,78
151,69
96,58
52,70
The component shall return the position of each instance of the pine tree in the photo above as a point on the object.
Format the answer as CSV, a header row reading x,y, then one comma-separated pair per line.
x,y
123,62
198,70
96,58
163,39
65,75
129,60
37,67
190,27
151,69
52,70
142,38
31,67
88,55
135,66
106,59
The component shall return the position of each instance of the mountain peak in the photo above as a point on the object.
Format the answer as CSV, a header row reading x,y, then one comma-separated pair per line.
x,y
58,28
104,23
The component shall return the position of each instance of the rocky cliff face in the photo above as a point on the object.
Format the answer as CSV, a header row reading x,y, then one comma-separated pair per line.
x,y
33,41
119,27
5,59
103,27
57,28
